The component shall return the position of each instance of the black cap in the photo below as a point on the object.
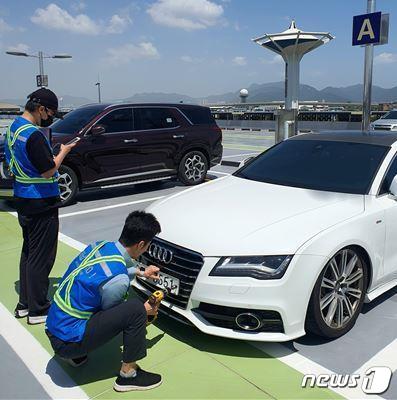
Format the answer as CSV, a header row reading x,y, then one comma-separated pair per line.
x,y
46,98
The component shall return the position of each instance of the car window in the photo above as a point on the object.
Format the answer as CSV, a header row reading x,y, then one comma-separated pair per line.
x,y
334,166
387,180
199,115
390,115
74,120
154,118
120,120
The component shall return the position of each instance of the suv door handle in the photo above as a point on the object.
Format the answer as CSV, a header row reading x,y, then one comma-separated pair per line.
x,y
130,140
178,136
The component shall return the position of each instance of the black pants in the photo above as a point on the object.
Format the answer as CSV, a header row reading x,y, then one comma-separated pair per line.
x,y
40,240
128,317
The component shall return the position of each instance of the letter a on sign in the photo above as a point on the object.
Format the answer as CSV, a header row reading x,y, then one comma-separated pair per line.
x,y
366,29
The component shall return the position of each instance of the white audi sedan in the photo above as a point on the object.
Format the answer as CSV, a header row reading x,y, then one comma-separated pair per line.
x,y
294,241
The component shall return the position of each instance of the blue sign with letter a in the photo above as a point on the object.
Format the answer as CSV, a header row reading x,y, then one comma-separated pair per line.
x,y
367,29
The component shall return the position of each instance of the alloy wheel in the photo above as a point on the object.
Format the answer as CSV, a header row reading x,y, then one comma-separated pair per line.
x,y
194,168
341,288
65,183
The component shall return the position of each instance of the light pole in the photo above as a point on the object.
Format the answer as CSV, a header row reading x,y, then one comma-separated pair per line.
x,y
99,90
368,67
40,55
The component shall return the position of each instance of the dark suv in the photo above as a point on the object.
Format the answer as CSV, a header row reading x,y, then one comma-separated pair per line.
x,y
132,143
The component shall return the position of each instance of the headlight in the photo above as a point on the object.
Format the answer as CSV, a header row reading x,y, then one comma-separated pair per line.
x,y
258,267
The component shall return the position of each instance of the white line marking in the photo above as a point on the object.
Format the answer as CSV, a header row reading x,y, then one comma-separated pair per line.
x,y
109,207
239,155
37,359
71,242
384,358
306,366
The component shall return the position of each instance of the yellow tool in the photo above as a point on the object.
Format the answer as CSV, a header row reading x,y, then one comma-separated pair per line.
x,y
154,300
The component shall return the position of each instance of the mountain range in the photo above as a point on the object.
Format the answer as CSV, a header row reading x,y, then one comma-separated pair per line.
x,y
257,92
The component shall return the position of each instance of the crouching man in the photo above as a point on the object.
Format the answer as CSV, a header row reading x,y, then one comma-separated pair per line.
x,y
90,306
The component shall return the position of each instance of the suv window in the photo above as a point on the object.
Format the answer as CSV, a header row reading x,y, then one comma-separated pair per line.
x,y
120,120
154,118
74,120
199,116
390,174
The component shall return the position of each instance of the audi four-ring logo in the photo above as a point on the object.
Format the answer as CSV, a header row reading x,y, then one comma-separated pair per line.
x,y
160,253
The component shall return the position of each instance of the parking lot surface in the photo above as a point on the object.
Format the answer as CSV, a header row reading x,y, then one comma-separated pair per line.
x,y
194,365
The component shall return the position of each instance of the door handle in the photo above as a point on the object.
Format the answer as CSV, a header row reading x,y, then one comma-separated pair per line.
x,y
178,136
130,140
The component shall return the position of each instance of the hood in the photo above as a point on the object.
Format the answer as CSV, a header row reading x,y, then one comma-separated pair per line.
x,y
235,216
385,122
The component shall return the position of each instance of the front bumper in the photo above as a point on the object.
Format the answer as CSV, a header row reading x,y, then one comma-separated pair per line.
x,y
289,297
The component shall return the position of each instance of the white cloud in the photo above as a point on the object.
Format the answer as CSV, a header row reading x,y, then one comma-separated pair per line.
x,y
129,52
54,17
4,27
191,60
118,24
277,59
186,14
386,58
240,61
23,48
78,6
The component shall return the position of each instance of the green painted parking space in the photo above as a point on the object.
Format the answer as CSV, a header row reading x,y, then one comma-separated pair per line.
x,y
193,365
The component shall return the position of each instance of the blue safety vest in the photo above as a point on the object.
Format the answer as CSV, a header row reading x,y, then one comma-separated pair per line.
x,y
78,295
28,182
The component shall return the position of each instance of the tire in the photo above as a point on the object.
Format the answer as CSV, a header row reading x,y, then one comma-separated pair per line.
x,y
193,168
338,295
68,185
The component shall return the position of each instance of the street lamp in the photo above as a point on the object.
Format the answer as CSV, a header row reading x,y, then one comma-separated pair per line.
x,y
99,90
40,56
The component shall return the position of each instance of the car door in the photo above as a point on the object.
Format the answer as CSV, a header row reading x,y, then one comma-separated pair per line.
x,y
111,154
390,207
160,136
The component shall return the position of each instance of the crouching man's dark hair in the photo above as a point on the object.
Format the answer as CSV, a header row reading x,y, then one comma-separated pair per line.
x,y
139,226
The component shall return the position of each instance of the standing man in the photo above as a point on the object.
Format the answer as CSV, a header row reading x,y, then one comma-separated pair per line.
x,y
36,194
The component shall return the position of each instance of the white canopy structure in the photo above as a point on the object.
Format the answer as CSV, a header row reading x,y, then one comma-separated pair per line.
x,y
292,45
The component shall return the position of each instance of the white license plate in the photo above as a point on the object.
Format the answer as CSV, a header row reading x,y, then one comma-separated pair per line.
x,y
167,282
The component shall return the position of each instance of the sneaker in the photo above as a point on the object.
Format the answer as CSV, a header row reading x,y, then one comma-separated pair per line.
x,y
37,319
141,381
21,311
76,362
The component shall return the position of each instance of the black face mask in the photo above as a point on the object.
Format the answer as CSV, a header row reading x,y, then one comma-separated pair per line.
x,y
47,122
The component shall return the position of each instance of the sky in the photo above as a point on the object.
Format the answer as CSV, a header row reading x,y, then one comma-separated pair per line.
x,y
192,47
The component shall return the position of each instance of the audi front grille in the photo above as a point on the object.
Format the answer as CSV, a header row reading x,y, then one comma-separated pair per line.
x,y
185,265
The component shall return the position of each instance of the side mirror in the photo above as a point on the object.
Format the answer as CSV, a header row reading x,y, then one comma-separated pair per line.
x,y
246,161
393,188
97,130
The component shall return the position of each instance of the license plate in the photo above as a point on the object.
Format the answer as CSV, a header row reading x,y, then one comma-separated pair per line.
x,y
167,282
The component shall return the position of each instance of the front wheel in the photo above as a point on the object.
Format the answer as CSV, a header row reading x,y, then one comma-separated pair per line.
x,y
338,295
193,168
68,185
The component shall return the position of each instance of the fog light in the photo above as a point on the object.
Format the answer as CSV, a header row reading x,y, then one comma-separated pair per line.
x,y
248,322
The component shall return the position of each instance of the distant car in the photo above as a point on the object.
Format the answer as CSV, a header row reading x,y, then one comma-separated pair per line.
x,y
294,241
132,143
387,122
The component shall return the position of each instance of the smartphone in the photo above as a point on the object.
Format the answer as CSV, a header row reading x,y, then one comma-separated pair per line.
x,y
75,140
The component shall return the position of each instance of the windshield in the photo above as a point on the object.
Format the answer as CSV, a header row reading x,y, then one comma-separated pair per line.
x,y
390,115
318,164
74,120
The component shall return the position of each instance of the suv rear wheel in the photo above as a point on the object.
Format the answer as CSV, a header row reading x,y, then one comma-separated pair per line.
x,y
193,168
68,185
